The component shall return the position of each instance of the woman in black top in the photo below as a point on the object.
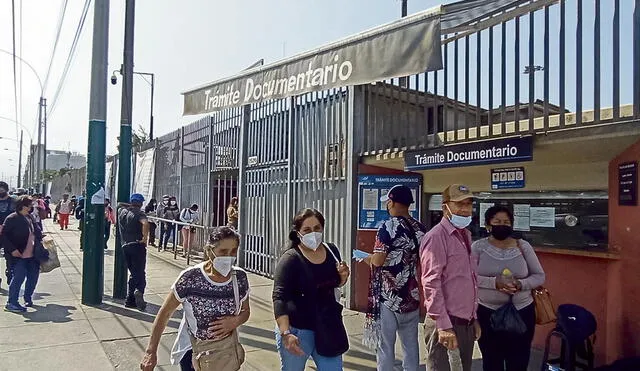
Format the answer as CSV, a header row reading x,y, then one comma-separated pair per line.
x,y
306,278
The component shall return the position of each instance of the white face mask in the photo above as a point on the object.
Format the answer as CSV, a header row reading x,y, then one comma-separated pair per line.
x,y
223,264
173,202
311,240
459,221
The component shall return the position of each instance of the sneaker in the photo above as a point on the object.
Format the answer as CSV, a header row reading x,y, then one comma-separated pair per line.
x,y
28,303
130,304
140,303
14,308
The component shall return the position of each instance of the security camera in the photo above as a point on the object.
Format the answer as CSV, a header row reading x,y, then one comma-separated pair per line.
x,y
114,79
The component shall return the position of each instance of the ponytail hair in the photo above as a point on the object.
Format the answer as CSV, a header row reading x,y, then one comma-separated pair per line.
x,y
296,225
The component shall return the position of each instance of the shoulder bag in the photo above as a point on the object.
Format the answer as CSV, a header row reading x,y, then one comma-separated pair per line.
x,y
545,311
330,334
220,355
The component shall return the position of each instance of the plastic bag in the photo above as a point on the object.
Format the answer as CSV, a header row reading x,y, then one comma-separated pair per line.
x,y
507,319
53,262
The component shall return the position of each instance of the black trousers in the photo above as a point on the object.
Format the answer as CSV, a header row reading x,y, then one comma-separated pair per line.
x,y
152,232
186,363
504,351
135,256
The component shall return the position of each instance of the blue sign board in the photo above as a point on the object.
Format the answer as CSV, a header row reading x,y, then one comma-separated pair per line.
x,y
508,178
371,212
471,154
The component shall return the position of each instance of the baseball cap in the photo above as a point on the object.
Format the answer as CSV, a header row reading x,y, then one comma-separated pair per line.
x,y
136,198
456,192
399,193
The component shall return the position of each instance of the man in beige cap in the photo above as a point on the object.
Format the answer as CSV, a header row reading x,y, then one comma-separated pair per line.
x,y
450,282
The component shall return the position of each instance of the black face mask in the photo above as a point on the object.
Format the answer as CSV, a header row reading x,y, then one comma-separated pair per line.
x,y
30,210
501,232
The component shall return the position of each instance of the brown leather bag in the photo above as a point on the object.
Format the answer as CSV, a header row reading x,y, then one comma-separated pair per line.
x,y
545,311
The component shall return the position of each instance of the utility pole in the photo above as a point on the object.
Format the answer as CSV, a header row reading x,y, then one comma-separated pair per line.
x,y
44,132
93,229
124,156
38,147
404,82
153,83
20,158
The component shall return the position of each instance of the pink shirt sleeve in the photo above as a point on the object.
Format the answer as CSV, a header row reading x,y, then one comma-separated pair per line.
x,y
433,259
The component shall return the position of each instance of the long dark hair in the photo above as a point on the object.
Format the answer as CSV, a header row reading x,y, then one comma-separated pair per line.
x,y
298,220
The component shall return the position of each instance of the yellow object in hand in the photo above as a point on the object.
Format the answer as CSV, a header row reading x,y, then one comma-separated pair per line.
x,y
506,272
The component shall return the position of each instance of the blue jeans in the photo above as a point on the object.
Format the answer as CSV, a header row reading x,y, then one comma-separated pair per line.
x,y
406,325
28,269
291,362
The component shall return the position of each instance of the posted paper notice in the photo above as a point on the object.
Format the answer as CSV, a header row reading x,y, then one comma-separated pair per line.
x,y
543,217
521,217
484,206
370,199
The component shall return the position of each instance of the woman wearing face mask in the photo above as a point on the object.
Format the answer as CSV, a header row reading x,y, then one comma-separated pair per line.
x,y
170,212
214,296
20,235
508,270
309,320
188,215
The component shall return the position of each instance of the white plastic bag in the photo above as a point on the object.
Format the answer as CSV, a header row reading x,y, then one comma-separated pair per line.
x,y
53,261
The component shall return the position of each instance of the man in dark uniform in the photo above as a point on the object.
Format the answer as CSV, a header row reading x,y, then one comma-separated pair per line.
x,y
7,206
133,227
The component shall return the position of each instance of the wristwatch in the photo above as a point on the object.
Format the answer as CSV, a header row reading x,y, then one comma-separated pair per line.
x,y
285,333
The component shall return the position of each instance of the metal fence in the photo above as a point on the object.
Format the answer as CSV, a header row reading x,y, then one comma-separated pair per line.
x,y
539,69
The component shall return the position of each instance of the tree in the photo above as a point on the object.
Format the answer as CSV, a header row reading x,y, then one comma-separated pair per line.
x,y
49,175
138,138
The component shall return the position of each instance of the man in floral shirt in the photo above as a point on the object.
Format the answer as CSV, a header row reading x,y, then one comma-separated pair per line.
x,y
394,297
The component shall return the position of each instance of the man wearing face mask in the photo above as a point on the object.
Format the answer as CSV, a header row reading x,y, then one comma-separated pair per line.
x,y
394,297
134,234
160,214
450,282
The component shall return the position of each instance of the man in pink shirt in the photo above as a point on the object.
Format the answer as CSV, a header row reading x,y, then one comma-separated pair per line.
x,y
450,282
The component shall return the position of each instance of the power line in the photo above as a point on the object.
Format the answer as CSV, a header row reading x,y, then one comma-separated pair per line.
x,y
61,15
70,57
15,80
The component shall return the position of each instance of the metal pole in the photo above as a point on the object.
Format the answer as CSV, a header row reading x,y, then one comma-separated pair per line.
x,y
124,168
20,159
38,147
153,82
404,81
44,139
93,230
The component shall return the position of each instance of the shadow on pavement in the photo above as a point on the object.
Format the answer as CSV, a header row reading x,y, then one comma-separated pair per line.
x,y
40,295
148,315
49,313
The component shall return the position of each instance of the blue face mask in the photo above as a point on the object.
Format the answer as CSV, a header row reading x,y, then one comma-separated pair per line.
x,y
459,221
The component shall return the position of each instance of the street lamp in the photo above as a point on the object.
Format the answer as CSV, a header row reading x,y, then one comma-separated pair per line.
x,y
114,81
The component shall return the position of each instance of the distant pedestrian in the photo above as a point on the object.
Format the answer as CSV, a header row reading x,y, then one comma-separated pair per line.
x,y
150,210
47,204
450,282
7,206
232,213
189,215
308,317
19,237
394,294
79,214
64,209
134,234
215,298
164,226
170,212
109,220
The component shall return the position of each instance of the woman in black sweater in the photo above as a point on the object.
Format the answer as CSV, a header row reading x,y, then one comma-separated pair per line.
x,y
19,235
306,278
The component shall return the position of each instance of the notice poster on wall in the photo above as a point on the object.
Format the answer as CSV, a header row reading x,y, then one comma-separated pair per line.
x,y
372,212
544,217
484,206
521,217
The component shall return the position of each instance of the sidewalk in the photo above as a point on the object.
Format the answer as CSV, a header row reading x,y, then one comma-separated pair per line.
x,y
61,333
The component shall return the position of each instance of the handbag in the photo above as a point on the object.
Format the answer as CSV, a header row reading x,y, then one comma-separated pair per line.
x,y
507,319
52,262
220,355
545,311
330,335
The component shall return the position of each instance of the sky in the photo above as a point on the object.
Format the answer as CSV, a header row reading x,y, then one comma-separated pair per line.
x,y
185,43
192,42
